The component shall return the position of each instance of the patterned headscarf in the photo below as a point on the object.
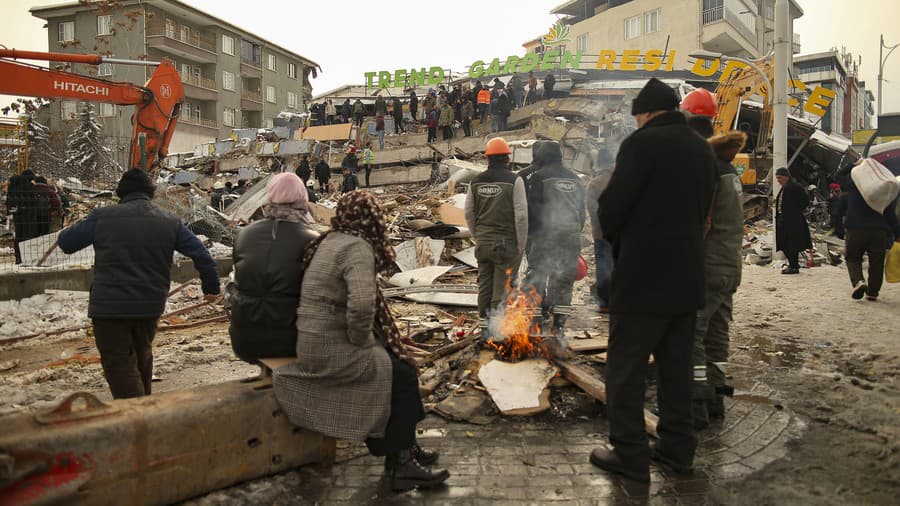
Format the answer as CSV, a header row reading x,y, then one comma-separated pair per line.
x,y
359,214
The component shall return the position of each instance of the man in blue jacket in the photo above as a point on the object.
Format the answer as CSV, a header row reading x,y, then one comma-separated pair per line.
x,y
133,246
868,232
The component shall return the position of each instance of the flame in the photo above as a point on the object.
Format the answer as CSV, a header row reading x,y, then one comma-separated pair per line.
x,y
518,324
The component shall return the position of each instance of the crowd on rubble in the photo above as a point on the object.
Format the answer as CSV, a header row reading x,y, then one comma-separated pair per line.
x,y
442,110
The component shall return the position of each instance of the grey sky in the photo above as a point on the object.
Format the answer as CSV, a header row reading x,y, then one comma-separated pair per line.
x,y
349,38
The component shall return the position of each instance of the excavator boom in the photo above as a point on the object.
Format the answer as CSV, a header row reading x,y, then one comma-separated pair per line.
x,y
156,104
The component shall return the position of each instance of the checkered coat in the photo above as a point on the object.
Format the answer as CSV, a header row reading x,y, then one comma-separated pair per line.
x,y
340,384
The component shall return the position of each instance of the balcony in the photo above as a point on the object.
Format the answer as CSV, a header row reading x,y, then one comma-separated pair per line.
x,y
200,122
795,46
724,32
188,44
199,87
251,100
251,69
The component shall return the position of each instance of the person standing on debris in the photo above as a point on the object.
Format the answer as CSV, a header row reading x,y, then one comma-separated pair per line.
x,y
379,130
345,111
215,200
413,105
517,90
133,246
556,216
496,213
268,267
303,171
323,176
397,110
791,229
368,160
504,107
446,121
603,257
484,104
350,182
354,378
659,194
869,232
359,110
350,160
380,106
330,112
549,83
467,113
433,116
427,105
532,88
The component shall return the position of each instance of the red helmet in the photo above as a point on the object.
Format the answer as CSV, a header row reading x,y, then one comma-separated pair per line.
x,y
582,269
496,146
700,102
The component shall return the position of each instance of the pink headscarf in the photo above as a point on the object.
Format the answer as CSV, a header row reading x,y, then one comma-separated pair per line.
x,y
287,189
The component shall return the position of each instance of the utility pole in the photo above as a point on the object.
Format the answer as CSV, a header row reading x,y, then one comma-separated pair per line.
x,y
881,61
783,42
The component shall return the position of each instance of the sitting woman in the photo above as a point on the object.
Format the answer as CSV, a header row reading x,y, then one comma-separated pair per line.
x,y
268,266
353,378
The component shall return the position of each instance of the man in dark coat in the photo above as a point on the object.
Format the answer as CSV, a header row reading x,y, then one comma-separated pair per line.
x,y
413,105
350,182
397,112
303,171
268,267
345,110
23,203
791,230
133,246
549,83
658,197
323,176
380,105
871,233
359,110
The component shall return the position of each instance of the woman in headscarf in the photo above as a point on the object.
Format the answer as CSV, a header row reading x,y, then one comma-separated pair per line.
x,y
268,267
354,378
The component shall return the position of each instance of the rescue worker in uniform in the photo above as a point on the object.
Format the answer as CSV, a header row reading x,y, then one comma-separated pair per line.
x,y
556,216
659,194
721,263
497,214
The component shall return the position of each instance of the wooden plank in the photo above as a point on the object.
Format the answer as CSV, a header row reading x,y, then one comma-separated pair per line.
x,y
592,344
594,386
338,132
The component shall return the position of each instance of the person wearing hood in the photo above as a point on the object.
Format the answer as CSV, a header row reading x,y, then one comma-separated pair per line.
x,y
133,246
791,229
659,194
268,268
556,216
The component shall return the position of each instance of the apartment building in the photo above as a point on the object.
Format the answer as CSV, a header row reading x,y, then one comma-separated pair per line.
x,y
742,28
853,106
232,78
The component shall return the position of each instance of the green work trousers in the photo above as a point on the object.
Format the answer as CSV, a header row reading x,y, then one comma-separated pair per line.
x,y
498,266
711,336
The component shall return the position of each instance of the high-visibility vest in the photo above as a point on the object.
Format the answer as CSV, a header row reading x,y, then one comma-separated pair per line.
x,y
484,96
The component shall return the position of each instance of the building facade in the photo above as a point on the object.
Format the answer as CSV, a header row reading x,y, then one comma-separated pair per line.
x,y
232,78
742,28
828,69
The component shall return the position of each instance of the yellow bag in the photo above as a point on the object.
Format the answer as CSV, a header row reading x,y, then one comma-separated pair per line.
x,y
892,267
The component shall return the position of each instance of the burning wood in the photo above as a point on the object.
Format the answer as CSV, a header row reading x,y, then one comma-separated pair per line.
x,y
519,327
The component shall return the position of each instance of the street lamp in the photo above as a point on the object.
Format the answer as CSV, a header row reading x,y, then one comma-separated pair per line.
x,y
881,61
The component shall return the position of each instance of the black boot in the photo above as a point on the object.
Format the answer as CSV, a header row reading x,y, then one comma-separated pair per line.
x,y
700,414
424,457
716,407
407,474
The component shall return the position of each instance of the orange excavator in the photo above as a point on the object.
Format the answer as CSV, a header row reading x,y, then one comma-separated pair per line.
x,y
156,104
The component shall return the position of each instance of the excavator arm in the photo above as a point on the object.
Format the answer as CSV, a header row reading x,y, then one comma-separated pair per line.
x,y
740,83
156,104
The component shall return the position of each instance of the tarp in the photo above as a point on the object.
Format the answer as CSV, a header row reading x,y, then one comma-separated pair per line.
x,y
339,132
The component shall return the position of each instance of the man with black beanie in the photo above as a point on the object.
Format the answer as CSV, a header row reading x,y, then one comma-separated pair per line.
x,y
133,246
659,194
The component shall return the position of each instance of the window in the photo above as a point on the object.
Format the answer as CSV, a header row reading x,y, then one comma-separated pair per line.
x,y
228,45
272,62
652,21
170,28
67,31
106,110
67,109
581,43
292,70
186,111
270,94
197,112
228,116
105,70
104,25
184,34
292,100
633,27
227,80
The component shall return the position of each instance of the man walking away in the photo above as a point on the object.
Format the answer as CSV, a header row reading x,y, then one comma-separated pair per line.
x,y
323,175
868,232
660,192
497,214
556,217
133,246
791,230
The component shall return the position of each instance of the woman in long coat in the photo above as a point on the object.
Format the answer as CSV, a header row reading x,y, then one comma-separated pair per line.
x,y
353,378
791,229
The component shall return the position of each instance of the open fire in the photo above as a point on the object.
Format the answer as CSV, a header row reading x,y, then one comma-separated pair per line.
x,y
518,325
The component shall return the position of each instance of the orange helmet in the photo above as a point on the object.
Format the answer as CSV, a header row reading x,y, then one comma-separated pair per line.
x,y
496,146
700,102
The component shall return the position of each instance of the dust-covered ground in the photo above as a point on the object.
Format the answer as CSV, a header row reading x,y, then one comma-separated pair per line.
x,y
831,360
